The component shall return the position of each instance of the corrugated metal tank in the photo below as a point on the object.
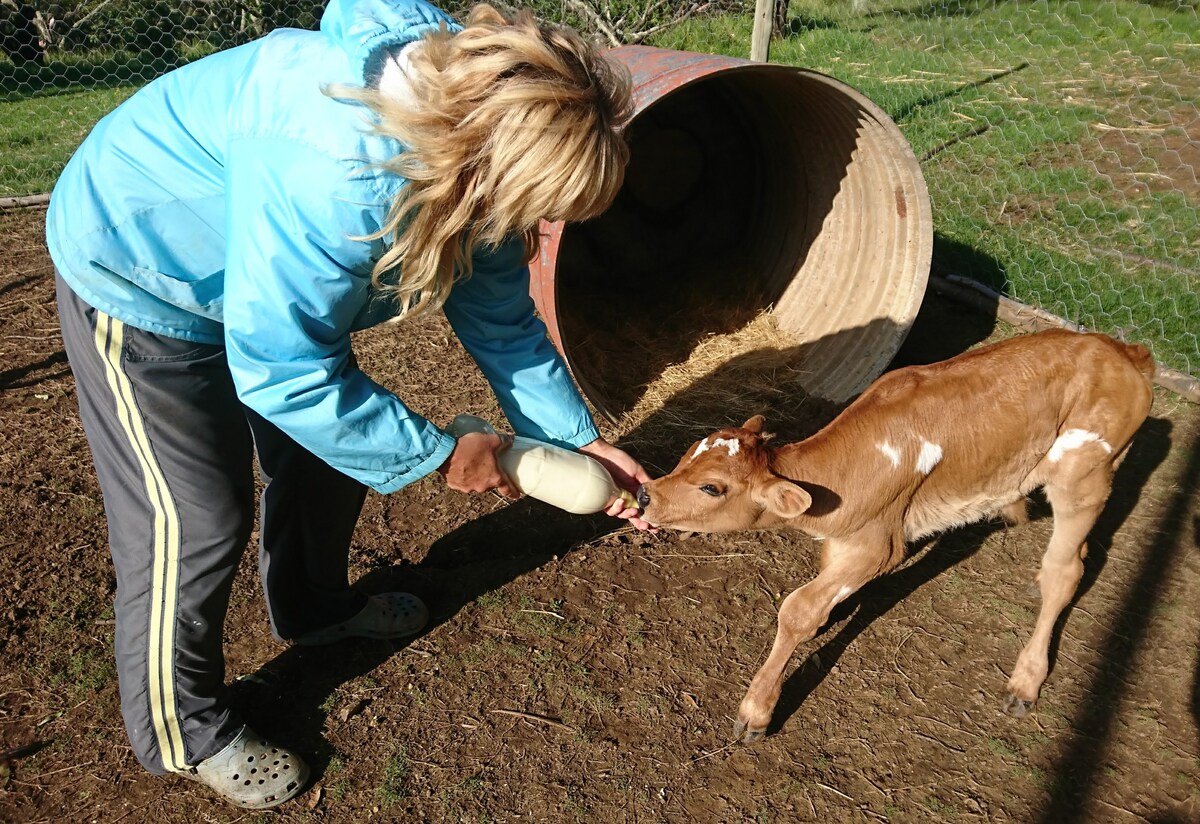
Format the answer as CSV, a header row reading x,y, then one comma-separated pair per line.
x,y
751,186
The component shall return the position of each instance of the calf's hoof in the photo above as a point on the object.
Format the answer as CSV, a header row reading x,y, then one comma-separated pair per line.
x,y
743,732
1017,707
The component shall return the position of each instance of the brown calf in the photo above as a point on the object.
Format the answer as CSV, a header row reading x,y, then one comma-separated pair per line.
x,y
924,449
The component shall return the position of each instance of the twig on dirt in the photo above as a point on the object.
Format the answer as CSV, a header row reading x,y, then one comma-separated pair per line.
x,y
717,751
543,612
485,628
773,597
1129,813
595,585
835,792
938,741
944,724
710,557
896,655
540,719
887,794
138,809
67,769
811,805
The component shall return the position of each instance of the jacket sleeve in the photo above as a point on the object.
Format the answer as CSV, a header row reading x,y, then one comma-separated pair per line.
x,y
294,283
493,316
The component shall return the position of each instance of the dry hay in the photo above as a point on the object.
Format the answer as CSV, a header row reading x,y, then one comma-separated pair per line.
x,y
758,368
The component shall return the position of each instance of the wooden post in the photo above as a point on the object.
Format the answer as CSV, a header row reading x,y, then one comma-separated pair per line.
x,y
764,20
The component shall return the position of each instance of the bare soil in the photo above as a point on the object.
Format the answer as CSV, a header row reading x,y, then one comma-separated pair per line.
x,y
578,671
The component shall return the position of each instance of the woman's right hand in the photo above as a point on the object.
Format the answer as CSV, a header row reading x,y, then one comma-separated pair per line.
x,y
473,466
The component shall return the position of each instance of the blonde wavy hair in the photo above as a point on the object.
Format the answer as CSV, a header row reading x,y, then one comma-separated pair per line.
x,y
511,121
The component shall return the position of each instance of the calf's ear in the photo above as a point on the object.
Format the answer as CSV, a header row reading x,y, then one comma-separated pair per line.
x,y
781,497
755,424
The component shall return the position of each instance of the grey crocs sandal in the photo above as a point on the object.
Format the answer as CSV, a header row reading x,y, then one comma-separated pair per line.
x,y
252,772
388,615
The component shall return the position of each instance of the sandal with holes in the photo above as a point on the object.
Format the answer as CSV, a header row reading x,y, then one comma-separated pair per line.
x,y
389,615
252,772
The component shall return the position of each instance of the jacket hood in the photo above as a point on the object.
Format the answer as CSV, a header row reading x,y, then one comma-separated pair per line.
x,y
365,27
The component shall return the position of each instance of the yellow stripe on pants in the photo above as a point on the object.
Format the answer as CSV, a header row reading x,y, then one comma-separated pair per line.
x,y
165,552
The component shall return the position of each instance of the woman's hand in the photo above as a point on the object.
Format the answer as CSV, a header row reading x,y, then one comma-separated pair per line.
x,y
628,475
473,465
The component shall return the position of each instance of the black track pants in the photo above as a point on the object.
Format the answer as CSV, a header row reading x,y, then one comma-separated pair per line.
x,y
174,452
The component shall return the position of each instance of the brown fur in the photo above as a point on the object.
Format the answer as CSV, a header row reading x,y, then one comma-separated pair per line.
x,y
924,449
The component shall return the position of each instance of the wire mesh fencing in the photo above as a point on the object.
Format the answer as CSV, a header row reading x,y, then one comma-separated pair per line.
x,y
1060,141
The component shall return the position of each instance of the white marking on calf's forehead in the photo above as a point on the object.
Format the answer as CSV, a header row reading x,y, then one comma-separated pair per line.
x,y
928,458
733,445
1074,439
890,452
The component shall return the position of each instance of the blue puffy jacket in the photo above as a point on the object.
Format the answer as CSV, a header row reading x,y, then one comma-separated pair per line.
x,y
218,204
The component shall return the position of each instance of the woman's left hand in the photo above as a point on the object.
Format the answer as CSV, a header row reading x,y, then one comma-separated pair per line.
x,y
628,475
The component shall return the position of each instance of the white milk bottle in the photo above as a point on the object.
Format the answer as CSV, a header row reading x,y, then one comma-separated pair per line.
x,y
569,480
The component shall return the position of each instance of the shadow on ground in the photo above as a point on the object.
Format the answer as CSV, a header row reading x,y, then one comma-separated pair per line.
x,y
290,693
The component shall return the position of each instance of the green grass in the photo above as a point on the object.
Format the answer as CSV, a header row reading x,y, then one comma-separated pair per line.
x,y
75,664
46,111
1062,200
38,135
1065,198
396,773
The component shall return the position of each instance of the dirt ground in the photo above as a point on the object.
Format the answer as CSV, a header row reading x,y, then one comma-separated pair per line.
x,y
576,671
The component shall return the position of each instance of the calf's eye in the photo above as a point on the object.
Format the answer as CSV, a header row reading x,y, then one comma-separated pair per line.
x,y
709,489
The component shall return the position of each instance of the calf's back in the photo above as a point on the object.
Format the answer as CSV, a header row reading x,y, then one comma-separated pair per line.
x,y
924,448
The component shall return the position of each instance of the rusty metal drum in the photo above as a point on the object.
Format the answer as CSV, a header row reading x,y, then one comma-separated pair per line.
x,y
751,187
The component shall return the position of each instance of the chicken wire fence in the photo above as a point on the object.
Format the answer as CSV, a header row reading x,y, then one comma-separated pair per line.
x,y
1060,141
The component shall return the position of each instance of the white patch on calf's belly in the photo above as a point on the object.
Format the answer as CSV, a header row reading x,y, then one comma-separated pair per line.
x,y
1074,439
929,457
931,515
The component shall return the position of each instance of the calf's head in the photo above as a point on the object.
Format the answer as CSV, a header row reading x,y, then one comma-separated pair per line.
x,y
723,483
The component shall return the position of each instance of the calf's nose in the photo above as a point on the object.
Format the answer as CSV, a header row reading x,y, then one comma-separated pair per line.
x,y
643,497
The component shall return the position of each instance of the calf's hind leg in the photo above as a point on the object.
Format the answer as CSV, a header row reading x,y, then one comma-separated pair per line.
x,y
1076,500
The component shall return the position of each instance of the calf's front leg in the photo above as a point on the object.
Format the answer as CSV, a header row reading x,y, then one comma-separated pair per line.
x,y
845,567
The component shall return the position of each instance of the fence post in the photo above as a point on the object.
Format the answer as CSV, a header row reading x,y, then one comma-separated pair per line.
x,y
764,20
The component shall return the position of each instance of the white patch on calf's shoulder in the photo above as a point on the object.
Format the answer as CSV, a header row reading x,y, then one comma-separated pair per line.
x,y
890,452
1074,439
929,457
